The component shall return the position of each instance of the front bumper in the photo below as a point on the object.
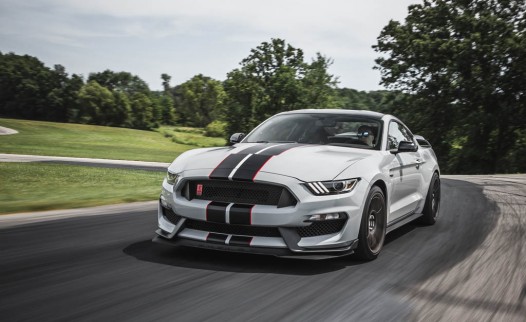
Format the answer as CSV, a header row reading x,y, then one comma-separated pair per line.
x,y
286,220
279,252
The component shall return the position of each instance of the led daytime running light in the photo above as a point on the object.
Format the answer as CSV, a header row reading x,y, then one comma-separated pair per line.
x,y
321,188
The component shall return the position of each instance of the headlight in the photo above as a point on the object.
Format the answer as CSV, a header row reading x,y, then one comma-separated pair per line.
x,y
320,188
171,178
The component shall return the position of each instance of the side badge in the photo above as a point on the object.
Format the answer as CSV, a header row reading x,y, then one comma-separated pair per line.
x,y
199,190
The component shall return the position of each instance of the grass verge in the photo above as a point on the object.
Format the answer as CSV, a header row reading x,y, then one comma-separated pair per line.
x,y
91,141
38,186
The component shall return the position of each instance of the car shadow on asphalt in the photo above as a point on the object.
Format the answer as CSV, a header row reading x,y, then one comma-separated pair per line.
x,y
213,260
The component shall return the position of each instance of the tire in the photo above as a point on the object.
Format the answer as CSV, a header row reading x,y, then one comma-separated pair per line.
x,y
373,226
432,205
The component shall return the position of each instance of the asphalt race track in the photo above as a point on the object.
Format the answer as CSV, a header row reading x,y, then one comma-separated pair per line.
x,y
470,266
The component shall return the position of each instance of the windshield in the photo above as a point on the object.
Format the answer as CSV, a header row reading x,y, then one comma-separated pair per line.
x,y
318,128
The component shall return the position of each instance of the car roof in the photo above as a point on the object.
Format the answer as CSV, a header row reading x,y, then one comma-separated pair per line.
x,y
369,114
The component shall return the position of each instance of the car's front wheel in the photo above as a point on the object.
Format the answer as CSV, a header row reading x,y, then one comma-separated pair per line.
x,y
373,225
432,205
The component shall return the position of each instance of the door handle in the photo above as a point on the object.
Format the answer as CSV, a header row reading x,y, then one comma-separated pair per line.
x,y
418,163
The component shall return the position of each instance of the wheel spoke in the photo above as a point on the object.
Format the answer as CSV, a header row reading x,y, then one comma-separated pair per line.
x,y
372,241
377,206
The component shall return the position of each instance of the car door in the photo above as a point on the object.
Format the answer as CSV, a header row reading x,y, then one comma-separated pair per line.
x,y
405,174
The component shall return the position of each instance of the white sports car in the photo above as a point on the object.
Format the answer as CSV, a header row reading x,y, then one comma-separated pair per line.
x,y
306,182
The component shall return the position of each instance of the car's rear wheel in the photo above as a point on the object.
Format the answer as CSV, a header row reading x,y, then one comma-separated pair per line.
x,y
432,205
372,228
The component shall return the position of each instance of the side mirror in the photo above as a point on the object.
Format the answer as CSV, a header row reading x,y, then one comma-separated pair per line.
x,y
405,146
237,137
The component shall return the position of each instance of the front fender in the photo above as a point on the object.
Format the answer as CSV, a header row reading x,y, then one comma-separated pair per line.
x,y
371,171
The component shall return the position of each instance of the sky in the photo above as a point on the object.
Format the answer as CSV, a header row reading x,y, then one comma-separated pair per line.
x,y
184,38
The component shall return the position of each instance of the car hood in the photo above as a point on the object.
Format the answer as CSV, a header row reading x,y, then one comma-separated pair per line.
x,y
304,162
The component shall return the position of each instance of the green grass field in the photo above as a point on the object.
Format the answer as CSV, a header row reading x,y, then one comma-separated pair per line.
x,y
39,186
90,141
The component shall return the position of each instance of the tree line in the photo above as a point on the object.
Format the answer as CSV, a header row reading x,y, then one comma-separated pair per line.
x,y
30,90
274,78
459,70
455,71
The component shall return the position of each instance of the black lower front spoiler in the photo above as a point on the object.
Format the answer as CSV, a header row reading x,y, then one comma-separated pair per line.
x,y
279,252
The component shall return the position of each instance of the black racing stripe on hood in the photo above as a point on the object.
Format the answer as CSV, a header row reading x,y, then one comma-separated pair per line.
x,y
224,168
259,155
251,167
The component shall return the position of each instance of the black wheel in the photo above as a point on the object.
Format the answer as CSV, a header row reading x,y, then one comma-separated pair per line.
x,y
432,205
372,228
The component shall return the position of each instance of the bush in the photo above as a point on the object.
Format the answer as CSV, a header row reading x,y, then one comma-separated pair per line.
x,y
216,129
193,130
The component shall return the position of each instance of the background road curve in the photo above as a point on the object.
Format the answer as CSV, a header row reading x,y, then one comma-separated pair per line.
x,y
469,266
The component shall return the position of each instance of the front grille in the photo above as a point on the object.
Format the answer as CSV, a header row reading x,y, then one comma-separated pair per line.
x,y
171,216
232,229
321,228
239,192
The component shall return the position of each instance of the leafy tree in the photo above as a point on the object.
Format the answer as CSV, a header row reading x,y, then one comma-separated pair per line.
x,y
165,102
318,85
199,101
166,82
121,115
136,105
120,81
275,78
97,103
464,64
20,91
142,112
349,98
167,109
28,89
62,99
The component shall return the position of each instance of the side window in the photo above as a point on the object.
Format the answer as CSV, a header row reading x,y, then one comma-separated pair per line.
x,y
397,133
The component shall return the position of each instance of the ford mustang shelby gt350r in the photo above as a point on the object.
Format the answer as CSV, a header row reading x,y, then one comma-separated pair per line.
x,y
306,182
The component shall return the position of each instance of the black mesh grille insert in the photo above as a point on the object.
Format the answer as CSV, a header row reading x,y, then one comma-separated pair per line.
x,y
240,192
232,229
321,228
171,216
